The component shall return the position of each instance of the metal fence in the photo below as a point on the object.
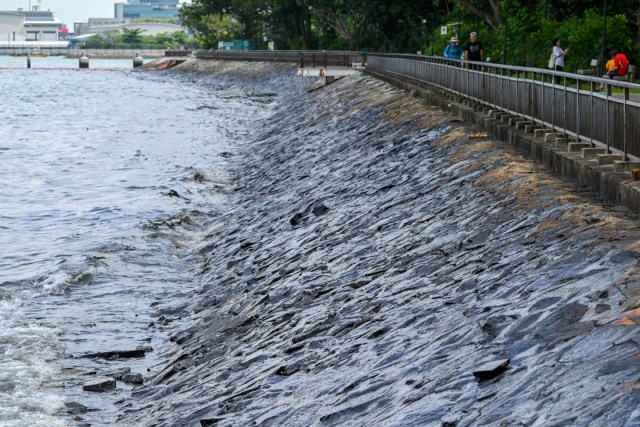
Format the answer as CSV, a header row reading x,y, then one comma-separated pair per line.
x,y
251,55
306,59
569,105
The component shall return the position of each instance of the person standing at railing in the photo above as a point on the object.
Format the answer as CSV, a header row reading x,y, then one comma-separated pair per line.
x,y
559,54
620,66
453,51
474,50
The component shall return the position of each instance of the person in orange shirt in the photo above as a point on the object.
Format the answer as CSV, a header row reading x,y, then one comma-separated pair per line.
x,y
610,66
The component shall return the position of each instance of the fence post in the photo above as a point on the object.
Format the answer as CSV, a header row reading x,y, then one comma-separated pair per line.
x,y
624,121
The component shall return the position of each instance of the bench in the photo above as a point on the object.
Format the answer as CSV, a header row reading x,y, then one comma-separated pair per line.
x,y
593,70
630,76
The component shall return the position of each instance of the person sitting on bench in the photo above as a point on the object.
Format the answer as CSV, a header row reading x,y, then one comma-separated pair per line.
x,y
620,66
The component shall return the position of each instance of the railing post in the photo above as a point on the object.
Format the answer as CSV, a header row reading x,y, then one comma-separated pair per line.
x,y
578,87
607,116
564,106
625,125
517,92
553,102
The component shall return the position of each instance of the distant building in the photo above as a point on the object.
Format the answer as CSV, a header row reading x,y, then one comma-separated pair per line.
x,y
81,28
30,26
63,33
147,9
103,25
127,12
12,27
146,28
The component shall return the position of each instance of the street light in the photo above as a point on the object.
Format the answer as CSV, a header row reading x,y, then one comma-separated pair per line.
x,y
424,30
504,50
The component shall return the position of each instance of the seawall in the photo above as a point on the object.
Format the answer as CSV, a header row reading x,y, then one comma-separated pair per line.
x,y
381,267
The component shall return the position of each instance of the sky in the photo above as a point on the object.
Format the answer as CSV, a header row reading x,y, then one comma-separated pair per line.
x,y
69,11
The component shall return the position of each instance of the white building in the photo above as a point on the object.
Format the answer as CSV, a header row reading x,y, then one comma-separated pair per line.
x,y
12,27
33,26
102,25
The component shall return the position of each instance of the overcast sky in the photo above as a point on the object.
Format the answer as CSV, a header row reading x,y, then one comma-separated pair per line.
x,y
69,11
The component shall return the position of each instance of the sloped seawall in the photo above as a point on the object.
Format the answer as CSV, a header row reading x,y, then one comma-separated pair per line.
x,y
376,257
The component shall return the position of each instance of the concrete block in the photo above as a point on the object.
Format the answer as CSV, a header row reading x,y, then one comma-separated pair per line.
x,y
522,123
591,152
561,143
531,128
541,133
608,159
624,166
502,131
553,137
575,147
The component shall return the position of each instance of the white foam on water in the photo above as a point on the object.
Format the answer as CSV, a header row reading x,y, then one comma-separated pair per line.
x,y
26,349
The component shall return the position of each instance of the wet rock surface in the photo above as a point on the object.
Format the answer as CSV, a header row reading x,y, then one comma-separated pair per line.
x,y
376,257
99,385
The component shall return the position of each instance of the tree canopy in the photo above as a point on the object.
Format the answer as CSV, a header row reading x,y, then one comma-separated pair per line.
x,y
520,31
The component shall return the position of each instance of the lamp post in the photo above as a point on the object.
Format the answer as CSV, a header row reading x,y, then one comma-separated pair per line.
x,y
424,30
477,19
504,50
603,56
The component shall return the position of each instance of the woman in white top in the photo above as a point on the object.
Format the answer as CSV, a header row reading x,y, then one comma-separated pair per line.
x,y
559,55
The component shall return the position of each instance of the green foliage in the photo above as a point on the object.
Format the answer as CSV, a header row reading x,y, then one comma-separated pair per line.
x,y
218,28
115,40
96,42
132,35
523,29
175,21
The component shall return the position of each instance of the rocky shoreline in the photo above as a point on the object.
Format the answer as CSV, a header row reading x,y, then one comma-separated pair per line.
x,y
379,267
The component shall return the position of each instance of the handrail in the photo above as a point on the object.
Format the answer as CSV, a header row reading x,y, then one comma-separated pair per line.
x,y
306,58
571,106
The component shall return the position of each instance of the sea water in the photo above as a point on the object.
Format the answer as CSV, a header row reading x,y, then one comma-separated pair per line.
x,y
107,178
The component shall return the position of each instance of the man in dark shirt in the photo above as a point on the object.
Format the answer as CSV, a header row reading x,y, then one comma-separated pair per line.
x,y
474,50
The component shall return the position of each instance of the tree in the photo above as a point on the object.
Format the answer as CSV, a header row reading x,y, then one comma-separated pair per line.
x,y
112,37
292,22
217,27
523,28
132,35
